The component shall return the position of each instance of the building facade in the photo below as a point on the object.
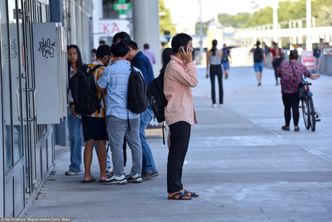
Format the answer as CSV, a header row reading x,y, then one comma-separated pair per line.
x,y
26,131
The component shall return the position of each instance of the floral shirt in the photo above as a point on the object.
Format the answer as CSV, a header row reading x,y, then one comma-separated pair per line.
x,y
290,79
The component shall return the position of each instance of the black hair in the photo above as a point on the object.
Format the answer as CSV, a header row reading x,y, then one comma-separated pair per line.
x,y
258,43
119,49
293,55
121,36
94,51
146,46
214,47
79,63
103,50
131,44
180,40
166,57
102,42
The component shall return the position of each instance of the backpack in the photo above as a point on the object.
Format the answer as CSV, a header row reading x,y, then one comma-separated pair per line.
x,y
258,55
157,97
84,91
137,101
316,53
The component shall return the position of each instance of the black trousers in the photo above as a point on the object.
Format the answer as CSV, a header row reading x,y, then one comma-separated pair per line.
x,y
179,141
216,70
291,102
276,63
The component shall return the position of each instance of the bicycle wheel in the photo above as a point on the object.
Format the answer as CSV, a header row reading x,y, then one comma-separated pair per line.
x,y
306,113
312,114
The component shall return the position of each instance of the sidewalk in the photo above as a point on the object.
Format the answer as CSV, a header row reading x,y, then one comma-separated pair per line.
x,y
242,165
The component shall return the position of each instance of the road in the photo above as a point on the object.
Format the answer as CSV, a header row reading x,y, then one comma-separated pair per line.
x,y
244,167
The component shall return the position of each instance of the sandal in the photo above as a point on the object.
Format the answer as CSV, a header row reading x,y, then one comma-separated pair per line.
x,y
92,180
285,128
179,196
192,194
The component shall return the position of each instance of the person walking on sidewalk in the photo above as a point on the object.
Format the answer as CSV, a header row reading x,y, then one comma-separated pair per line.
x,y
119,117
276,55
149,54
291,73
259,59
180,77
94,126
140,61
213,67
226,56
75,65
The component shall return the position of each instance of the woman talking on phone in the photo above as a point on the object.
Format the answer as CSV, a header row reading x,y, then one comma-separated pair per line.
x,y
213,69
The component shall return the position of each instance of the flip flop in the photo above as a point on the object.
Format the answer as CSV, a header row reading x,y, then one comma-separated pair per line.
x,y
92,180
192,194
179,196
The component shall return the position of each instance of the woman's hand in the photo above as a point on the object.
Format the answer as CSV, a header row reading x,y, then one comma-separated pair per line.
x,y
314,76
187,54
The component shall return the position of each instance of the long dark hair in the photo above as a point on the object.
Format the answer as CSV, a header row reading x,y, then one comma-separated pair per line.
x,y
79,63
166,57
214,47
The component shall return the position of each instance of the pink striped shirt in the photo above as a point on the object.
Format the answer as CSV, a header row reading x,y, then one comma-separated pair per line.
x,y
178,80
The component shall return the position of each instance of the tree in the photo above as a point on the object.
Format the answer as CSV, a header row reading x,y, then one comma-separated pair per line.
x,y
165,20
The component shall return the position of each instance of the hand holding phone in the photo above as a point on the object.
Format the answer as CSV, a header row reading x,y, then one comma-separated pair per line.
x,y
187,54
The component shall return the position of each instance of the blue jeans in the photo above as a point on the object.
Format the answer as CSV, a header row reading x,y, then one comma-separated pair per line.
x,y
148,162
74,125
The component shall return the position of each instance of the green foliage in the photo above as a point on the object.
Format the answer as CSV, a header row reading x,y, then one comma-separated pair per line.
x,y
288,10
165,19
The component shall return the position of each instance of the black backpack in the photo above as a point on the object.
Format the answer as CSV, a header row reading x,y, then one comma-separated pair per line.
x,y
157,97
316,53
84,91
258,55
137,100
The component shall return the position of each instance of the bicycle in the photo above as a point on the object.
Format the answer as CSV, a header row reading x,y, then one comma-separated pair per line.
x,y
310,116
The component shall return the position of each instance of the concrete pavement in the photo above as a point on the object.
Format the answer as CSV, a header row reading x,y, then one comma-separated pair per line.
x,y
243,166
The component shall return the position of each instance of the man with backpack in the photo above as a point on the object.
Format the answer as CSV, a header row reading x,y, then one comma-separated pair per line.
x,y
140,61
122,122
90,105
259,59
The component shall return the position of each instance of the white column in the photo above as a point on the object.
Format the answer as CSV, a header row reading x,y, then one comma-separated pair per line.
x,y
146,27
275,20
97,14
308,19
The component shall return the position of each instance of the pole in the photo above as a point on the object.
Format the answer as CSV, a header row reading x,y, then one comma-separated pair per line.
x,y
308,21
275,20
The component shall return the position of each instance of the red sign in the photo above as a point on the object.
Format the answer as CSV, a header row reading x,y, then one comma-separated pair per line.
x,y
308,60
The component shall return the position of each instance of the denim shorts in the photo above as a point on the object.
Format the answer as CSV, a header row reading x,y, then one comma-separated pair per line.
x,y
225,65
258,66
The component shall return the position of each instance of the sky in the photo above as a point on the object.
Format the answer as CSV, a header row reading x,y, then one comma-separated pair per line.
x,y
185,13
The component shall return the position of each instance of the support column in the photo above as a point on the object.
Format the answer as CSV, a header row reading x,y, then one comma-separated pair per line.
x,y
146,27
308,21
275,20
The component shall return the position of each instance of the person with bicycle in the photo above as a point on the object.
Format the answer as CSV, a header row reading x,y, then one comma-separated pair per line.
x,y
291,74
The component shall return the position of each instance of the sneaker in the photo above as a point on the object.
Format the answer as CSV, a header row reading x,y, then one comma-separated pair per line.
x,y
134,178
121,180
148,176
285,128
214,106
73,173
259,84
297,129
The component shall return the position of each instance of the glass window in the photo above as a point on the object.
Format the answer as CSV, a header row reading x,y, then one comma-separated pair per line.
x,y
6,98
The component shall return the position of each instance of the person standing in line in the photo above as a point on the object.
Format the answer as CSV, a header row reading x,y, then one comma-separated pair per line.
x,y
140,61
149,54
75,65
291,74
259,59
276,55
94,127
226,56
115,80
213,67
180,77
